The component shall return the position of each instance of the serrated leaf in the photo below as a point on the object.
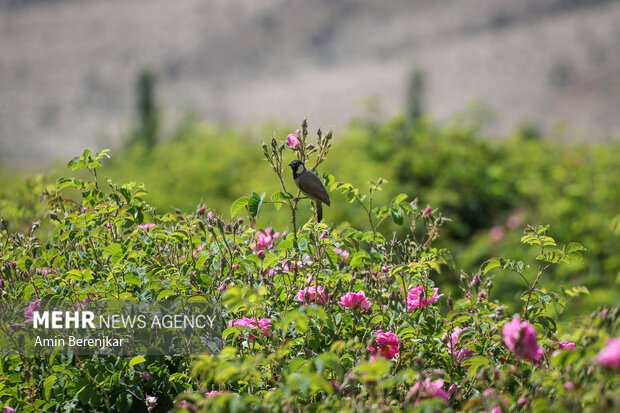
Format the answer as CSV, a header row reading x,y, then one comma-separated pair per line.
x,y
574,247
551,256
530,239
65,183
489,265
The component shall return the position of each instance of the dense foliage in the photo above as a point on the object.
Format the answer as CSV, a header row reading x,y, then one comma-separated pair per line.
x,y
488,188
319,317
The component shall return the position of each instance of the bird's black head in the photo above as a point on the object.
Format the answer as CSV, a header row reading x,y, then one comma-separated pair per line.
x,y
298,167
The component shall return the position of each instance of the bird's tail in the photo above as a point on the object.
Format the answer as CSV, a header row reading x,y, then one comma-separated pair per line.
x,y
319,211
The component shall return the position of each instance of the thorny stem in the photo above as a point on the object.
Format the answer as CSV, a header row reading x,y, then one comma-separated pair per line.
x,y
531,289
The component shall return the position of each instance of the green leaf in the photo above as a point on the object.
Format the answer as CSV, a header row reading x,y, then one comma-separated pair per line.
x,y
235,331
551,256
48,383
372,370
65,183
270,260
490,264
114,251
358,259
303,244
573,252
530,239
397,216
278,198
615,224
136,360
201,261
180,377
78,275
574,247
286,243
577,290
476,363
398,199
238,205
254,203
165,294
133,280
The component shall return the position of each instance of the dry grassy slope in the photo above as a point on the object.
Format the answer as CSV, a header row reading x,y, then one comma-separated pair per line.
x,y
67,67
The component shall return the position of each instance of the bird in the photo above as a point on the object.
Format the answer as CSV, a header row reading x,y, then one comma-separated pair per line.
x,y
311,186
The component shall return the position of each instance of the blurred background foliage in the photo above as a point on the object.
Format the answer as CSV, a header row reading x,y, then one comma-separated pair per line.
x,y
490,189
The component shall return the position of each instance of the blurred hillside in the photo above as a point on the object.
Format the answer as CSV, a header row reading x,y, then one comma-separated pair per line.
x,y
68,68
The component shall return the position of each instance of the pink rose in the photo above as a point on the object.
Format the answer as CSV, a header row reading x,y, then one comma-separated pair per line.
x,y
354,300
213,393
428,389
200,248
520,337
610,355
565,344
151,402
344,253
293,140
387,345
311,295
252,323
33,307
453,340
80,305
497,234
513,222
416,298
265,240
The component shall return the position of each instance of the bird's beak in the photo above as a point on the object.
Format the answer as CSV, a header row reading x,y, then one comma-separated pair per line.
x,y
291,164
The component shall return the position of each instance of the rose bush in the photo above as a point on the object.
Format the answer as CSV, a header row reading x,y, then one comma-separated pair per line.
x,y
322,318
